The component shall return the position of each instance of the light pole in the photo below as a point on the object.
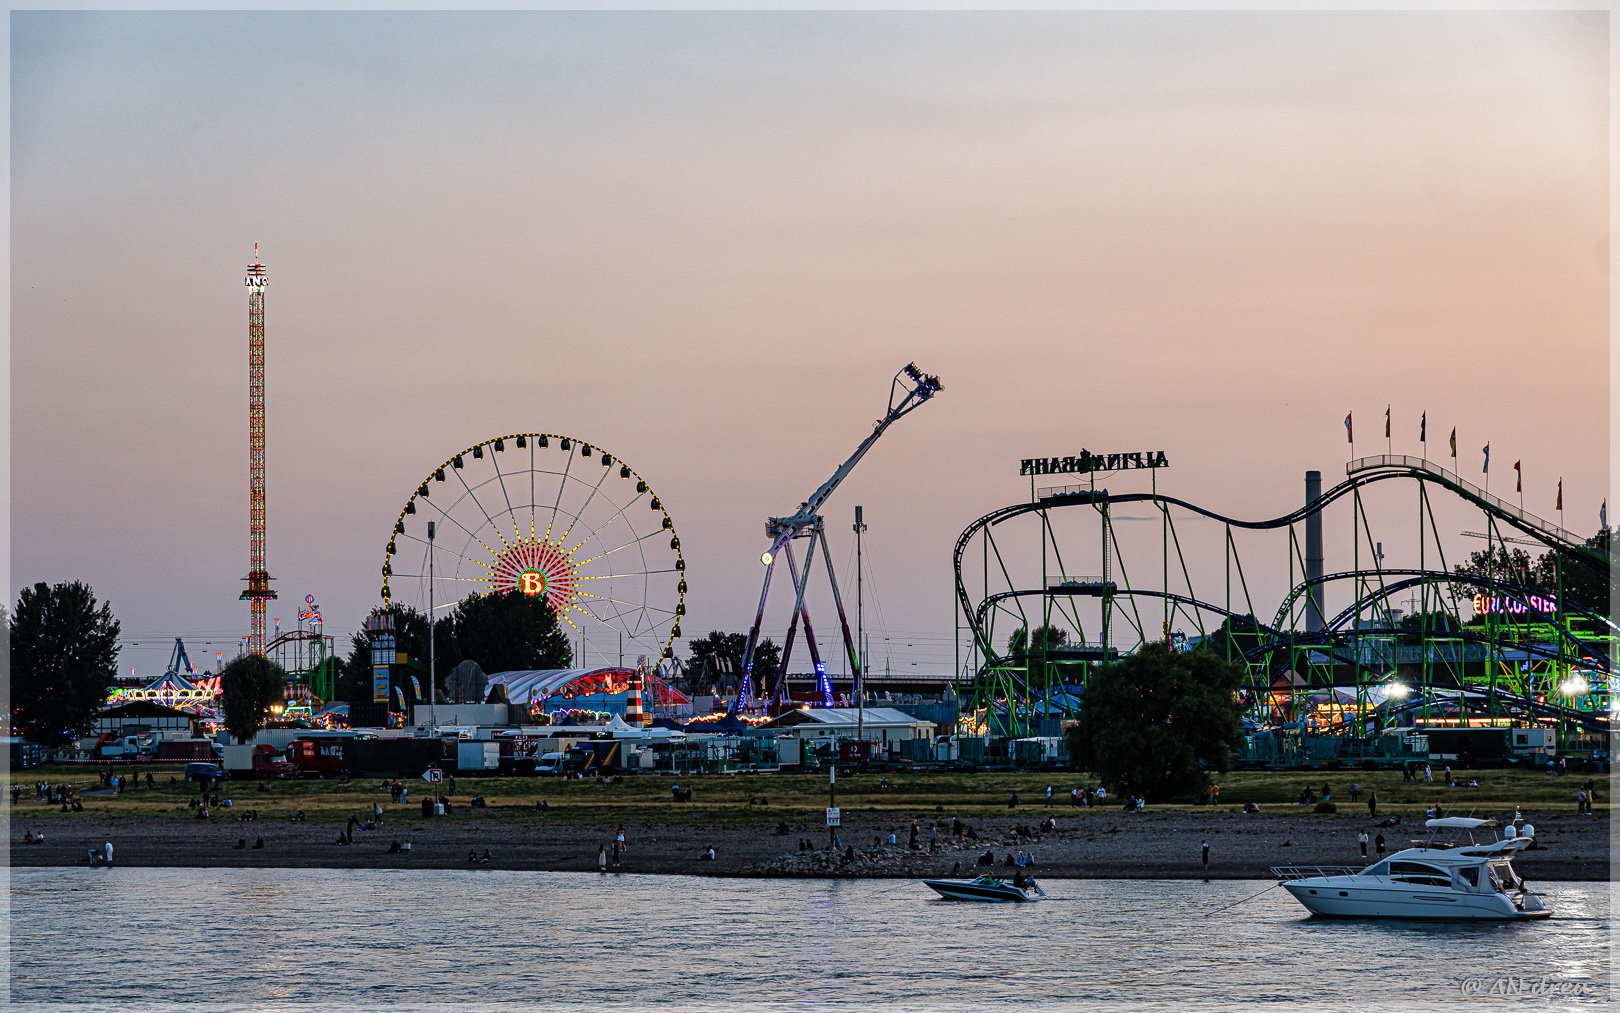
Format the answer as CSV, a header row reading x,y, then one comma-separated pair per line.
x,y
860,645
433,688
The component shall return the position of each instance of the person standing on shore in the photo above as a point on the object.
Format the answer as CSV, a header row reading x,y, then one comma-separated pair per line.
x,y
1355,788
1428,774
1378,844
601,858
1048,796
1372,803
106,853
1361,839
1204,849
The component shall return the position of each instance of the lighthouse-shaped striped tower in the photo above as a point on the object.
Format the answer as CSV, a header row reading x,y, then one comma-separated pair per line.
x,y
258,579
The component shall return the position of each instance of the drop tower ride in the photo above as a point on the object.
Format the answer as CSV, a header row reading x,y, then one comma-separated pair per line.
x,y
258,580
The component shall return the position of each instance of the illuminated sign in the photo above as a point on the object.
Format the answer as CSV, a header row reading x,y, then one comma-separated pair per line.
x,y
532,582
1515,606
1088,462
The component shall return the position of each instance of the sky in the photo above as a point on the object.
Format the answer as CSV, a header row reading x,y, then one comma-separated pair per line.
x,y
707,241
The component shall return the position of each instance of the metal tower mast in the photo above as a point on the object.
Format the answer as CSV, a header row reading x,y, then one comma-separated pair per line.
x,y
258,580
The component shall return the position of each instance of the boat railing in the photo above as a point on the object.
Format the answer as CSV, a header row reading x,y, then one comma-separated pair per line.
x,y
1292,872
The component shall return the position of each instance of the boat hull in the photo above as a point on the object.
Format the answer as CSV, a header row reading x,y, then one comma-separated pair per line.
x,y
955,889
1343,900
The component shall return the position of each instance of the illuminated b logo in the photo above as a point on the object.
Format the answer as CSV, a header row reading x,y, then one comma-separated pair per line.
x,y
532,582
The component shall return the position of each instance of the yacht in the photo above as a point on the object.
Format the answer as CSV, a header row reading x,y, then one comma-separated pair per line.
x,y
987,888
1432,879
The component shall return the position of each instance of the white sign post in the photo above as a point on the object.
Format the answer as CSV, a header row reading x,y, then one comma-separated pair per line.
x,y
832,816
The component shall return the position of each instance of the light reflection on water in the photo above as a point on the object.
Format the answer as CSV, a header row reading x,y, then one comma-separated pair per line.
x,y
287,939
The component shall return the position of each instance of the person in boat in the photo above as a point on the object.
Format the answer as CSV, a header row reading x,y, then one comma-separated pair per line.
x,y
1018,879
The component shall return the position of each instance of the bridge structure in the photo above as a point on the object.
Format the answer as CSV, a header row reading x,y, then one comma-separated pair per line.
x,y
1426,629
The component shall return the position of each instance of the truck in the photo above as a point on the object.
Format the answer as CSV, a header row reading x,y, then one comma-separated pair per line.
x,y
475,756
313,757
593,755
261,761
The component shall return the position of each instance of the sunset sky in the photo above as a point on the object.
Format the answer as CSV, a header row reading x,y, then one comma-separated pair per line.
x,y
705,242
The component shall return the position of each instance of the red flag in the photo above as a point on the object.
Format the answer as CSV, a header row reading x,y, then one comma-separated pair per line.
x,y
1386,421
1560,494
1518,476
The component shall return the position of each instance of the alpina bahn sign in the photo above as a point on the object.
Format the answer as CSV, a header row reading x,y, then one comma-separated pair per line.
x,y
1088,462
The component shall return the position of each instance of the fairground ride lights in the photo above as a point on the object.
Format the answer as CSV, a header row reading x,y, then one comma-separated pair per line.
x,y
1515,606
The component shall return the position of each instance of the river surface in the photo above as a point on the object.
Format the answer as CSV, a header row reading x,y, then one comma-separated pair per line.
x,y
274,939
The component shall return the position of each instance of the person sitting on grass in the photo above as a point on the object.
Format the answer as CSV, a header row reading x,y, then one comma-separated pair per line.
x,y
241,842
472,857
258,842
707,856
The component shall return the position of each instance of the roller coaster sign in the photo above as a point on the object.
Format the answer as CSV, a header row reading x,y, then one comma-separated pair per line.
x,y
1088,462
1485,605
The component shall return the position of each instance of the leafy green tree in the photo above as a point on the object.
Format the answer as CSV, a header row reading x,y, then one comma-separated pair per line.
x,y
716,660
1235,635
1437,622
1153,723
506,631
1046,638
248,687
410,639
64,654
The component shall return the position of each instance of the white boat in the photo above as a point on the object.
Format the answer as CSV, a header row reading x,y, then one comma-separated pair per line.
x,y
1432,879
986,888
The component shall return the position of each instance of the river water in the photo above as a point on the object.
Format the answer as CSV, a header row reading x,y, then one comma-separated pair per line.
x,y
274,939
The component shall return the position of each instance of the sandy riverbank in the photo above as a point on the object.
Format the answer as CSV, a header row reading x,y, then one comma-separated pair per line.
x,y
1093,844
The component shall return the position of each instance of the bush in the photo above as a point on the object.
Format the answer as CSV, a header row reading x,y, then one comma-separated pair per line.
x,y
1326,807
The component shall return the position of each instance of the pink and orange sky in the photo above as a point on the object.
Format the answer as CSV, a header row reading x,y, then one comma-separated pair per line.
x,y
706,241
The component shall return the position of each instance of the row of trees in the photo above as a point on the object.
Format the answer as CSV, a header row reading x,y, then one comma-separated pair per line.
x,y
501,632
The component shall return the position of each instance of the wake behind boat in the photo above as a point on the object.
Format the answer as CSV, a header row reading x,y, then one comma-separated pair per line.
x,y
1433,879
987,888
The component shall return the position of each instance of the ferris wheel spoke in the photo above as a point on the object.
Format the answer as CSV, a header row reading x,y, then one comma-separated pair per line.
x,y
600,527
583,506
439,548
493,527
494,460
634,541
444,514
556,505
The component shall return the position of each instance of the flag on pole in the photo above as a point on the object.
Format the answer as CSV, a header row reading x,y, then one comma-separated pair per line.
x,y
1453,443
1349,434
1603,514
1386,421
1423,428
1518,476
1560,505
1487,458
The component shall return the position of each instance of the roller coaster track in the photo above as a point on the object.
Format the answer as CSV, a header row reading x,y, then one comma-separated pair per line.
x,y
1362,472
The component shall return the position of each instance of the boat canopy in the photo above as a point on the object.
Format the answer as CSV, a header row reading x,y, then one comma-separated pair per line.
x,y
1458,823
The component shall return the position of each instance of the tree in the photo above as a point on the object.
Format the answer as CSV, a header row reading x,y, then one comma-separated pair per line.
x,y
64,653
1436,622
1581,582
410,639
1236,634
1153,722
507,631
247,688
1046,638
717,660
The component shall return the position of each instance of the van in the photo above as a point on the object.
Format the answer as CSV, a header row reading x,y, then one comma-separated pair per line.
x,y
549,764
206,773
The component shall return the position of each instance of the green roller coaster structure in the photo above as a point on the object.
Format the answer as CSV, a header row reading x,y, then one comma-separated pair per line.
x,y
1477,645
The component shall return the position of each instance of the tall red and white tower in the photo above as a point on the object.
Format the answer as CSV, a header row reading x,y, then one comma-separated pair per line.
x,y
258,580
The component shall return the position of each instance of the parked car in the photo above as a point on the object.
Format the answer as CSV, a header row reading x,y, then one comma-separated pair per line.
x,y
205,773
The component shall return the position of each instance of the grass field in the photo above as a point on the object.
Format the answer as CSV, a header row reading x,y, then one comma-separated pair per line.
x,y
737,797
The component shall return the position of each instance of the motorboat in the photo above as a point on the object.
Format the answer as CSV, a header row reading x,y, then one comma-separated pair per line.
x,y
1434,878
987,888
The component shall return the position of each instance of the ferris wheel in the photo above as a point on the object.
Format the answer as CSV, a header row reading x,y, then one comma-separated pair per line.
x,y
545,515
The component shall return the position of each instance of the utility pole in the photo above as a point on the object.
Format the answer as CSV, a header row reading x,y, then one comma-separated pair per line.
x,y
860,626
433,683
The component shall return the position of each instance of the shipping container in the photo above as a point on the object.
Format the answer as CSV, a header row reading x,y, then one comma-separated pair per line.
x,y
474,756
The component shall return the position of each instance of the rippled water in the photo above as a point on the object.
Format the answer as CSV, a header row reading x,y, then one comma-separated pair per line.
x,y
292,939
